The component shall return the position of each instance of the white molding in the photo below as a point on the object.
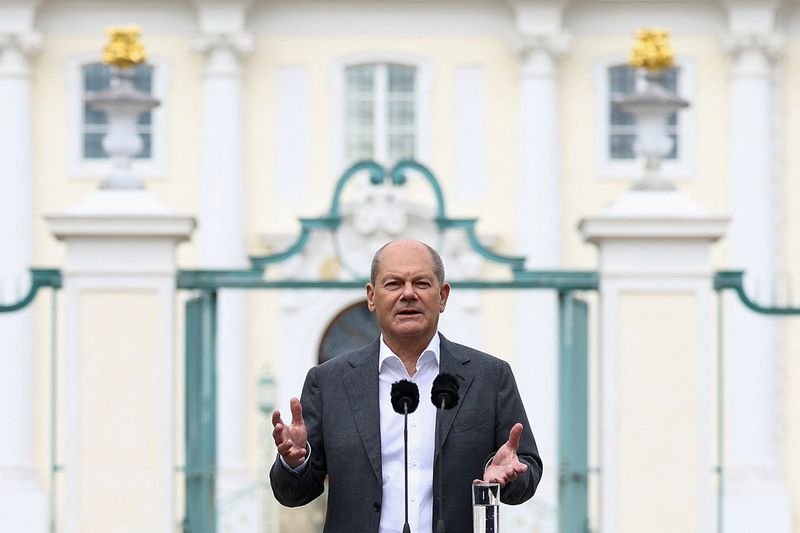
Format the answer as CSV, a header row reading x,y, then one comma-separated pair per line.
x,y
80,168
681,169
422,96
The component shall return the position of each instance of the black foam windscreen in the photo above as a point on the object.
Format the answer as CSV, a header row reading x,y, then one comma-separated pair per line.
x,y
445,387
405,393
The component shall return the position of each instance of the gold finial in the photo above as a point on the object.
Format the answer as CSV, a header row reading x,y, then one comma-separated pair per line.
x,y
652,50
124,50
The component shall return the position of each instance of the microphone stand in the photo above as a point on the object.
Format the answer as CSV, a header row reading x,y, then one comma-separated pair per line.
x,y
406,527
440,522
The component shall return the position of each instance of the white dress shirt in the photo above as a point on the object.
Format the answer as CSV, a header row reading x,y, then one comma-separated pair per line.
x,y
421,442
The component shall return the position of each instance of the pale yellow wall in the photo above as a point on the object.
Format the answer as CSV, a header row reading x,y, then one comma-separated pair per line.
x,y
120,412
657,394
790,376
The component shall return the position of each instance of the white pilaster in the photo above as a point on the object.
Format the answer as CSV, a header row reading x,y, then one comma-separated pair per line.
x,y
22,496
119,243
222,245
756,496
657,396
540,43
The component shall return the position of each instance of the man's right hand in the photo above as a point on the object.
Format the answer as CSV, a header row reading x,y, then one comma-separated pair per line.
x,y
291,440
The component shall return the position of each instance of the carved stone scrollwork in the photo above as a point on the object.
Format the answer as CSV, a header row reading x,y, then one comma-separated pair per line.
x,y
556,45
16,49
770,45
224,52
540,52
241,44
381,209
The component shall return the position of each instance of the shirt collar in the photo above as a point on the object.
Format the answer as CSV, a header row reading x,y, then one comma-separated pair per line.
x,y
387,353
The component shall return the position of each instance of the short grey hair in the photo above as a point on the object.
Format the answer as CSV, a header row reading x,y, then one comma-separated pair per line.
x,y
436,259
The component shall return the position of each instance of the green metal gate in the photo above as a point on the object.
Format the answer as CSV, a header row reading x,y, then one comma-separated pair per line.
x,y
573,415
201,414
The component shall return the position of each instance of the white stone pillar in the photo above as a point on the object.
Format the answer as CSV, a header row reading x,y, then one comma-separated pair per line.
x,y
222,245
657,362
118,401
23,503
540,44
756,496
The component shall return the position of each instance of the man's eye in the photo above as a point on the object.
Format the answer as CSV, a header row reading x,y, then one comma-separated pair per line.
x,y
423,285
391,285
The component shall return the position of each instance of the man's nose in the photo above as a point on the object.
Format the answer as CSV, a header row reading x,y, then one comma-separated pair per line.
x,y
408,291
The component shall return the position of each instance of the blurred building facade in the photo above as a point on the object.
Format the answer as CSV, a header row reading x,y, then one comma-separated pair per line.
x,y
263,106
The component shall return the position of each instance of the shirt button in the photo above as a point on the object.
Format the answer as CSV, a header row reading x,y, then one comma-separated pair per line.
x,y
413,498
414,462
413,424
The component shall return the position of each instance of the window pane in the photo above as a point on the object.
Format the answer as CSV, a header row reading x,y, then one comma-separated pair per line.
x,y
93,146
401,146
621,146
401,114
360,115
360,78
621,118
90,116
673,154
401,79
146,152
622,80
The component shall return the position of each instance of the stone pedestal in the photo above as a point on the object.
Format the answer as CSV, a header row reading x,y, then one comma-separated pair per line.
x,y
119,337
657,362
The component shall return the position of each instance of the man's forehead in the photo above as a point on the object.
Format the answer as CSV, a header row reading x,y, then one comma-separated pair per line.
x,y
406,257
412,271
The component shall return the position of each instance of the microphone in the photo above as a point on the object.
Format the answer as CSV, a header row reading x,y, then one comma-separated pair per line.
x,y
444,392
405,397
444,395
405,400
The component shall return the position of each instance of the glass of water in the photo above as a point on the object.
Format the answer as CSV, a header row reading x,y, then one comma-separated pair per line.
x,y
486,507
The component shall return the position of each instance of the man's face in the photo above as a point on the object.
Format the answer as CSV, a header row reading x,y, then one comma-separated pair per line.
x,y
406,297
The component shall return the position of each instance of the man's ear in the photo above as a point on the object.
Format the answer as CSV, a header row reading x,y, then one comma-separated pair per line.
x,y
371,297
444,292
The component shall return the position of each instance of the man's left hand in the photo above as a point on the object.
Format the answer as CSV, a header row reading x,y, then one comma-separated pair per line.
x,y
505,465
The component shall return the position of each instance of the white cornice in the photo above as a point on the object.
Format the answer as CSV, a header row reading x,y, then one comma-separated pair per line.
x,y
653,215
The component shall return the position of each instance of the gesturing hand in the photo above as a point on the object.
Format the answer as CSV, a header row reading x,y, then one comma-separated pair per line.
x,y
291,440
505,466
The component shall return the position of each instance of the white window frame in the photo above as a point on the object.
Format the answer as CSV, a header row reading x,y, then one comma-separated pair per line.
x,y
155,167
422,97
682,168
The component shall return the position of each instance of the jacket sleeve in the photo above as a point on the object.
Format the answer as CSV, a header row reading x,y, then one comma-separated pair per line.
x,y
289,488
510,410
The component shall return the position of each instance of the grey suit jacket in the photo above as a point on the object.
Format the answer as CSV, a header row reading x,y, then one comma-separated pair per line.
x,y
341,412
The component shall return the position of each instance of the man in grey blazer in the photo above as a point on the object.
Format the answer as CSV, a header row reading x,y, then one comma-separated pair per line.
x,y
340,429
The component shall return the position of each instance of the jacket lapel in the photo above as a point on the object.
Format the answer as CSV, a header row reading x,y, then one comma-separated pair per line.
x,y
361,386
454,361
